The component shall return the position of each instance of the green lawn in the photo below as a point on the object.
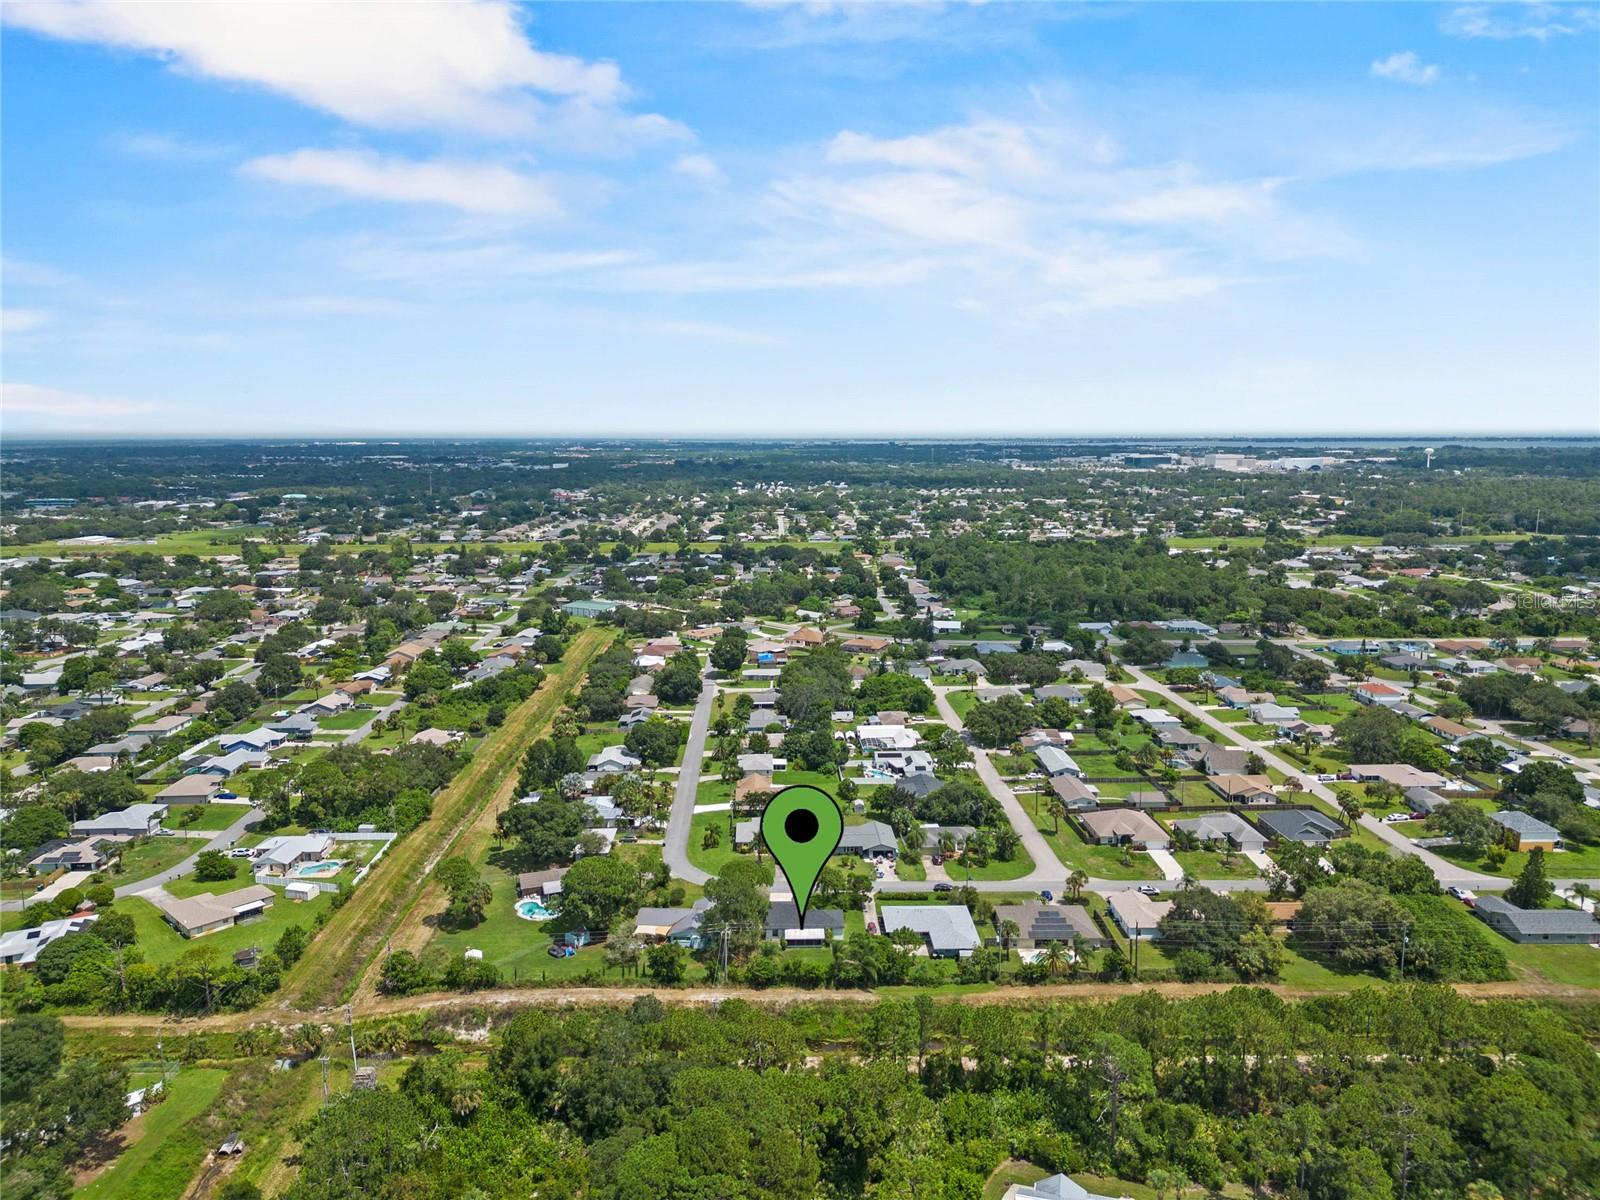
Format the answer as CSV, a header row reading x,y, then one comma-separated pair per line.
x,y
160,943
351,718
719,856
1209,864
154,855
170,1146
1098,862
1574,966
1020,865
1582,863
208,817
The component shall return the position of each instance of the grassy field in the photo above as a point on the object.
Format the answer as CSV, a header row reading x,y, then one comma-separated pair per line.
x,y
1570,966
153,856
209,818
1208,864
1582,863
1020,865
161,943
169,1147
1098,862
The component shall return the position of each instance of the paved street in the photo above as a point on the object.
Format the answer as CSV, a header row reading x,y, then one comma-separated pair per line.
x,y
676,848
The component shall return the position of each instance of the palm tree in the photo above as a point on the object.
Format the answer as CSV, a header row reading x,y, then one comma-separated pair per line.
x,y
914,837
1350,806
1008,931
1054,958
1076,882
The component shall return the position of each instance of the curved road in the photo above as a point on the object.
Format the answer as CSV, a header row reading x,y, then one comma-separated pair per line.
x,y
250,818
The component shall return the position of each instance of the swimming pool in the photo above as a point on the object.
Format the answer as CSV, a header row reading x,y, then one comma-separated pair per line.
x,y
327,866
532,909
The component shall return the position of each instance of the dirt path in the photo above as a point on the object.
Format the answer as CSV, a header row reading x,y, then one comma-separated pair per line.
x,y
410,931
344,948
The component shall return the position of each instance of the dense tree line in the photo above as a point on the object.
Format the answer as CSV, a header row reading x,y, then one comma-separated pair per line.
x,y
1369,1096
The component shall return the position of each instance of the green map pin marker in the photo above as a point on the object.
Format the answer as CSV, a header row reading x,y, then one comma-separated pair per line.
x,y
802,826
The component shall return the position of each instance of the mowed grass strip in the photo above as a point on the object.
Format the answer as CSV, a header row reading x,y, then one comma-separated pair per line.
x,y
170,1147
332,966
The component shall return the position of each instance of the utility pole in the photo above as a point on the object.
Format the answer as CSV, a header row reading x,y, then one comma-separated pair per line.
x,y
324,1061
350,1025
1138,933
1405,940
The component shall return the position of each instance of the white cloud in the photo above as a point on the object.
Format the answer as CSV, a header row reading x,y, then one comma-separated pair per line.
x,y
165,147
21,320
471,187
699,166
68,407
1406,67
458,64
1504,22
1200,203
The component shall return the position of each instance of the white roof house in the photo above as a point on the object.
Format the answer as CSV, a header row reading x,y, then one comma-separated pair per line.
x,y
137,820
614,759
22,946
1154,717
278,854
1053,760
948,928
886,737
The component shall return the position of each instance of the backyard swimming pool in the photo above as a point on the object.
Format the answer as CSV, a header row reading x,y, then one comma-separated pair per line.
x,y
532,910
311,870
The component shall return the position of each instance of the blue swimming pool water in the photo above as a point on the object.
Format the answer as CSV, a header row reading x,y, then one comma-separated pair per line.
x,y
532,910
316,868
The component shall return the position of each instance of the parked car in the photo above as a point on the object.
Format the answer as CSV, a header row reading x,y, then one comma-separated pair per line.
x,y
559,951
938,860
1397,818
944,887
1464,895
1149,889
1047,896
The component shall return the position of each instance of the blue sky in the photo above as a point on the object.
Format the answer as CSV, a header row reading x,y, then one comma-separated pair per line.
x,y
790,219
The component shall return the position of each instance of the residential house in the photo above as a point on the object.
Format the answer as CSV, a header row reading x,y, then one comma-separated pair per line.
x,y
1053,1187
1401,775
277,856
1227,827
1376,692
886,737
1123,827
1137,915
21,947
1041,923
1524,831
1155,718
137,820
1074,794
1224,760
1451,731
1055,761
225,766
1564,926
1423,801
254,739
197,916
1243,789
84,854
1238,697
1274,714
190,789
681,926
540,885
783,923
870,839
613,760
903,762
946,928
1304,825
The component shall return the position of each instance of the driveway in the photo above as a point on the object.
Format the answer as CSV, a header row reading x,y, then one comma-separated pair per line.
x,y
356,735
1170,868
675,849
